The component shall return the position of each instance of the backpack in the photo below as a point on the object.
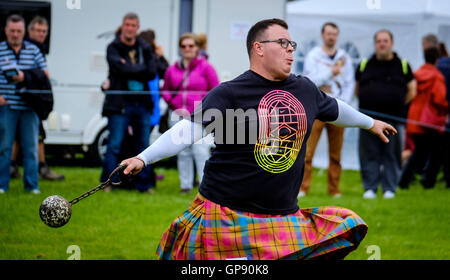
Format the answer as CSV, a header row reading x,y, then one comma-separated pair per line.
x,y
363,64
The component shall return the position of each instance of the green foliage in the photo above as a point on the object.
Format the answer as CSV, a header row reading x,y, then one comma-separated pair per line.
x,y
128,225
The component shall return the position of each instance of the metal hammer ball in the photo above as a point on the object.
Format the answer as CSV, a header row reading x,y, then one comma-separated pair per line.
x,y
55,211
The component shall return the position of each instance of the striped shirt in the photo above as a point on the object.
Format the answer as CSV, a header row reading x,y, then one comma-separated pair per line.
x,y
29,57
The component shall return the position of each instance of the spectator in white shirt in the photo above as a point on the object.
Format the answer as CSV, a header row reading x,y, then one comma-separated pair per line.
x,y
331,70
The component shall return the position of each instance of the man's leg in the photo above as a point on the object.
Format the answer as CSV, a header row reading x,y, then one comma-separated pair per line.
x,y
311,145
141,133
8,124
152,173
15,173
369,160
44,170
447,158
435,147
335,140
117,126
41,151
29,133
392,160
416,161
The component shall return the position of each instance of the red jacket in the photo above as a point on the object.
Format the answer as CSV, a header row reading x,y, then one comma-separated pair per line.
x,y
430,86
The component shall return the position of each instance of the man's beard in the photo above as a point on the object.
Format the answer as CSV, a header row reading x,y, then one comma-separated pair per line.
x,y
128,39
15,43
384,54
330,45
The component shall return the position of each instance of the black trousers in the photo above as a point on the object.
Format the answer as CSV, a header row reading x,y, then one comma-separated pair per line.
x,y
428,153
381,162
446,157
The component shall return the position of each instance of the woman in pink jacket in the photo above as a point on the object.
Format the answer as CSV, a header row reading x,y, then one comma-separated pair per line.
x,y
186,82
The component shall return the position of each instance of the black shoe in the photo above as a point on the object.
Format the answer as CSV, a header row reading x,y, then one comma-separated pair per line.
x,y
426,185
46,173
185,191
14,171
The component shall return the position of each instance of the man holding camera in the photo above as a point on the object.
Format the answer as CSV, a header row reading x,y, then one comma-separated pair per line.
x,y
16,115
37,34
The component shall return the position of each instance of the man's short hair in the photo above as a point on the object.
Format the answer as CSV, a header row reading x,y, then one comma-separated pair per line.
x,y
14,18
130,15
432,39
332,24
431,55
37,20
383,31
258,29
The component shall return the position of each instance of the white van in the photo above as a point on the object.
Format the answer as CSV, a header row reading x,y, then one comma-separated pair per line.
x,y
80,31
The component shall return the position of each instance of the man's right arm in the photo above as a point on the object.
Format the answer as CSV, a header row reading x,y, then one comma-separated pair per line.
x,y
349,117
180,136
120,66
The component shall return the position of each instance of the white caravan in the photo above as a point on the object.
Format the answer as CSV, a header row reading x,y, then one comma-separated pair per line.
x,y
81,30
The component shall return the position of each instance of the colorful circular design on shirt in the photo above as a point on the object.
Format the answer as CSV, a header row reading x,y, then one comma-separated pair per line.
x,y
282,129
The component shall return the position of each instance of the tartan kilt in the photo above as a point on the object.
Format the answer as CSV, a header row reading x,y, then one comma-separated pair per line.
x,y
208,231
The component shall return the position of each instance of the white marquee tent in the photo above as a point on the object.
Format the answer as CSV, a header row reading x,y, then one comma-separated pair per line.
x,y
358,20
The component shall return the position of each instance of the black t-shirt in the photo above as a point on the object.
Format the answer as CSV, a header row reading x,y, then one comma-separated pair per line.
x,y
261,172
383,87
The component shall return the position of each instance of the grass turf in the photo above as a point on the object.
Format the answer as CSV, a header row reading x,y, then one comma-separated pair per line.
x,y
128,225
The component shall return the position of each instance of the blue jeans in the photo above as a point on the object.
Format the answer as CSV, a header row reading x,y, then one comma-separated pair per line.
x,y
26,123
138,117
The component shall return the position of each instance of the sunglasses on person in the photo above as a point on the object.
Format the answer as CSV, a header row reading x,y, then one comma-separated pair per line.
x,y
187,46
283,42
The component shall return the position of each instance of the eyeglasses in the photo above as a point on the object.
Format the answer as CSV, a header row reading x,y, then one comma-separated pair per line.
x,y
187,46
39,30
283,42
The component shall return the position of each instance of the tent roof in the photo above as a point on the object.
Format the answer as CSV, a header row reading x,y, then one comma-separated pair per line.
x,y
361,7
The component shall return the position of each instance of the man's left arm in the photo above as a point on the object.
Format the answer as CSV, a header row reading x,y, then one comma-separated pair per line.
x,y
40,61
349,117
411,83
411,93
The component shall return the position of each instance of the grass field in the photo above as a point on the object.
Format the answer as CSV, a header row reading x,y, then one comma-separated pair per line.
x,y
128,225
